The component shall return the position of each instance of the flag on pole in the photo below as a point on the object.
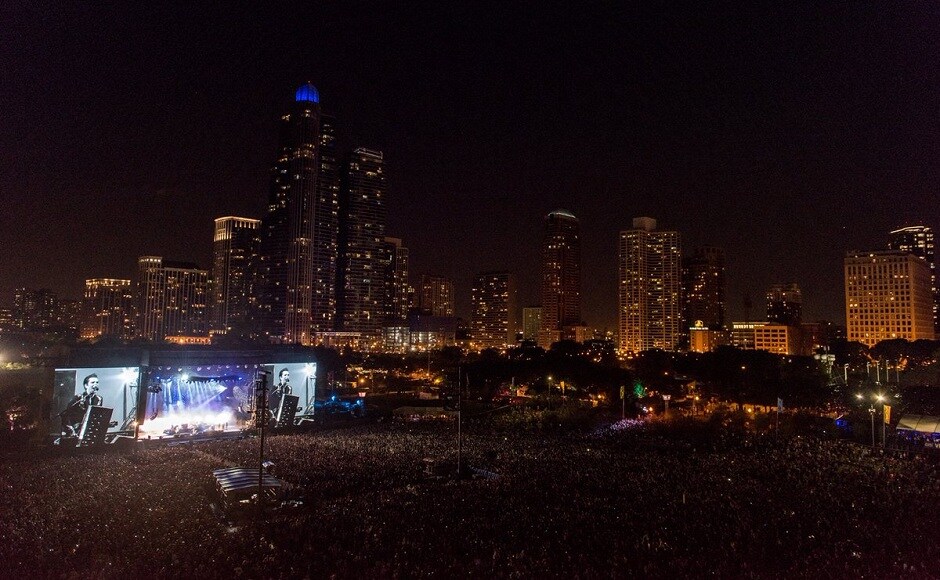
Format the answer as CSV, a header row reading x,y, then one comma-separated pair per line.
x,y
887,414
779,405
623,392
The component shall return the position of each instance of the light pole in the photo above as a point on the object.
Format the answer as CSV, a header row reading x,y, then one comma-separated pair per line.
x,y
459,421
871,411
261,418
309,372
845,373
130,379
884,428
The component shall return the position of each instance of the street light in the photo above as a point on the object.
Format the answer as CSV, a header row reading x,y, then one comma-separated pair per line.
x,y
871,411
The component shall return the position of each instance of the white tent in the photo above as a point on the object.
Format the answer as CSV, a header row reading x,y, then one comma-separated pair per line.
x,y
920,424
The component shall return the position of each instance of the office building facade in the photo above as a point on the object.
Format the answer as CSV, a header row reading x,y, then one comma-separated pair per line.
x,y
887,296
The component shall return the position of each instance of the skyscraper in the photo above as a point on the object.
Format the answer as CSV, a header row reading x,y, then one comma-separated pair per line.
x,y
235,249
326,231
531,322
561,276
361,280
785,304
437,295
493,317
171,298
703,285
887,296
650,282
35,309
289,228
108,308
397,291
69,314
919,241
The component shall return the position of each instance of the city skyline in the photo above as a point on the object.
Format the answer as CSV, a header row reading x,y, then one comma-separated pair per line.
x,y
734,140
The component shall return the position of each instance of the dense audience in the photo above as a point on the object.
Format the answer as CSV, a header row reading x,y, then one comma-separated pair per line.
x,y
630,499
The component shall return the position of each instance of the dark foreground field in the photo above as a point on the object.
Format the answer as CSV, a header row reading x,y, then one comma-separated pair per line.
x,y
617,502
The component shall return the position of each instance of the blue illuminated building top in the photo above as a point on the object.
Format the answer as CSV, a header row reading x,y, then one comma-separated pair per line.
x,y
307,92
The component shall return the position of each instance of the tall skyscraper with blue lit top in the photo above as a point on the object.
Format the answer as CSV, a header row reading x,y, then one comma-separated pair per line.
x,y
290,228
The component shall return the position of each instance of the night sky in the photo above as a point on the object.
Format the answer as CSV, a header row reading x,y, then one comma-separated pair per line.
x,y
786,134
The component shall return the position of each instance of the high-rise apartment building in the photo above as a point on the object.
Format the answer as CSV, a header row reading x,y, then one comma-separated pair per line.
x,y
437,295
785,304
397,291
531,322
326,231
289,233
650,287
361,279
918,240
887,296
35,309
703,288
7,320
493,305
561,276
108,308
69,314
171,299
235,251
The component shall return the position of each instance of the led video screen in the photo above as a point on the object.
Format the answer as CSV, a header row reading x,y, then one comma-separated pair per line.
x,y
77,389
298,379
198,399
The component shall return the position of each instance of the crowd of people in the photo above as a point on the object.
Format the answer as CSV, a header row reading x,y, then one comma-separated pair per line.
x,y
631,499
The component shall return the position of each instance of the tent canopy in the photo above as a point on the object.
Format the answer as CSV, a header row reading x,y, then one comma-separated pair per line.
x,y
925,424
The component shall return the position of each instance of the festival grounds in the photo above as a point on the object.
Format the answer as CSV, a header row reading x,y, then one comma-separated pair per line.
x,y
380,500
